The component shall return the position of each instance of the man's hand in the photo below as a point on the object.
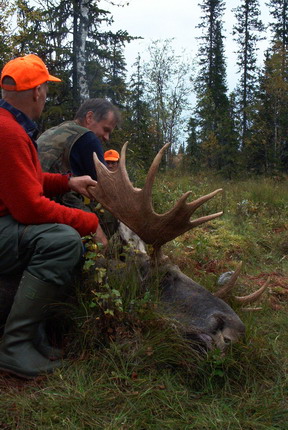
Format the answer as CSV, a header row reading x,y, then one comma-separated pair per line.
x,y
81,183
99,236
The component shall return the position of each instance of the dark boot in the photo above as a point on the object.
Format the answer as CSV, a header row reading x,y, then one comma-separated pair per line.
x,y
18,354
42,344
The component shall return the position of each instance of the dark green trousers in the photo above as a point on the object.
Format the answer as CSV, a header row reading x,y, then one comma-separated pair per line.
x,y
50,252
108,222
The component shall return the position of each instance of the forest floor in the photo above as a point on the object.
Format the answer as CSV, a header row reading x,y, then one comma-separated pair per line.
x,y
128,368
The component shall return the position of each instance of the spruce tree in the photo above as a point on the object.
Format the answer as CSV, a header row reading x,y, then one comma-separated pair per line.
x,y
215,124
279,11
7,11
269,142
114,80
279,26
140,125
192,158
248,31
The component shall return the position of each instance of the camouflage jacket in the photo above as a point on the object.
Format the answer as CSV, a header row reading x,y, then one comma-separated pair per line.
x,y
55,144
54,147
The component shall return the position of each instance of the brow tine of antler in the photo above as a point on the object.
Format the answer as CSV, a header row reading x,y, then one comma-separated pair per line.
x,y
225,290
253,297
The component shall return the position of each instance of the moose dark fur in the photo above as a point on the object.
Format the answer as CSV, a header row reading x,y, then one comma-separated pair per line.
x,y
206,320
201,315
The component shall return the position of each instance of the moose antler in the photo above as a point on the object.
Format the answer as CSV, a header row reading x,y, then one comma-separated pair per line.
x,y
227,288
133,206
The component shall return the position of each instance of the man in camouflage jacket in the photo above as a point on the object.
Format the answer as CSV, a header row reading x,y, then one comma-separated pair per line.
x,y
69,147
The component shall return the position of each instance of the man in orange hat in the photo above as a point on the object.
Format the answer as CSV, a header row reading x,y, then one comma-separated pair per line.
x,y
39,238
112,159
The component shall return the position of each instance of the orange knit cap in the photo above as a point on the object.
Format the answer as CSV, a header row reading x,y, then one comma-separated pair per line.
x,y
111,155
27,72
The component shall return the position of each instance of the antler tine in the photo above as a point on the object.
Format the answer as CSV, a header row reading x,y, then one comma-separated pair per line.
x,y
192,206
123,154
122,166
253,297
196,203
224,291
153,170
204,219
122,161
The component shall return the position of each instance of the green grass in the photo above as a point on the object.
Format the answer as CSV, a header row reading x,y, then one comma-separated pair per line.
x,y
132,369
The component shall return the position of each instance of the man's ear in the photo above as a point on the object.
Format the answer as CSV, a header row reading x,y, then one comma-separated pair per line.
x,y
36,92
89,117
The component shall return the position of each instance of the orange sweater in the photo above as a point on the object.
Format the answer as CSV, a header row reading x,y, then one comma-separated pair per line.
x,y
25,189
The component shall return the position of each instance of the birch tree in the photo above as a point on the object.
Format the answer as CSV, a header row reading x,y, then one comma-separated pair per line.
x,y
80,38
167,90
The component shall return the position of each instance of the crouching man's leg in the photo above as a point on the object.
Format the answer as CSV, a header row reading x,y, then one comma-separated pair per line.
x,y
49,253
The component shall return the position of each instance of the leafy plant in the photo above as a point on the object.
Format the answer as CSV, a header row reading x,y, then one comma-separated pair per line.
x,y
107,299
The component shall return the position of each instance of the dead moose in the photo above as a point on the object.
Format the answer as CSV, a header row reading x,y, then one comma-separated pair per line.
x,y
200,314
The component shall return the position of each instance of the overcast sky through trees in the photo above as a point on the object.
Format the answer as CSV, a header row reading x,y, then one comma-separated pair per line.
x,y
166,19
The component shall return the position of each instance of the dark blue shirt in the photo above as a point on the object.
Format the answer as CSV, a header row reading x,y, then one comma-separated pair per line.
x,y
29,126
81,155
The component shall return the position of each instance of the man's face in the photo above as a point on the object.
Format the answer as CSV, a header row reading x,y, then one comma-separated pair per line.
x,y
112,165
103,128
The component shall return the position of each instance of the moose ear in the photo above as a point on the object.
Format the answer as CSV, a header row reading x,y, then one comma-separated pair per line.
x,y
216,323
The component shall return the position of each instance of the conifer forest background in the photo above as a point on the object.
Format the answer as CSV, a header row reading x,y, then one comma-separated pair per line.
x,y
232,133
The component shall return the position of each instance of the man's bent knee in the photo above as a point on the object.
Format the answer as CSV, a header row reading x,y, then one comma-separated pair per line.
x,y
57,254
68,239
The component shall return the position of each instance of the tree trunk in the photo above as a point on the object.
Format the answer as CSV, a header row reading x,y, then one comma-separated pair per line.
x,y
81,51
